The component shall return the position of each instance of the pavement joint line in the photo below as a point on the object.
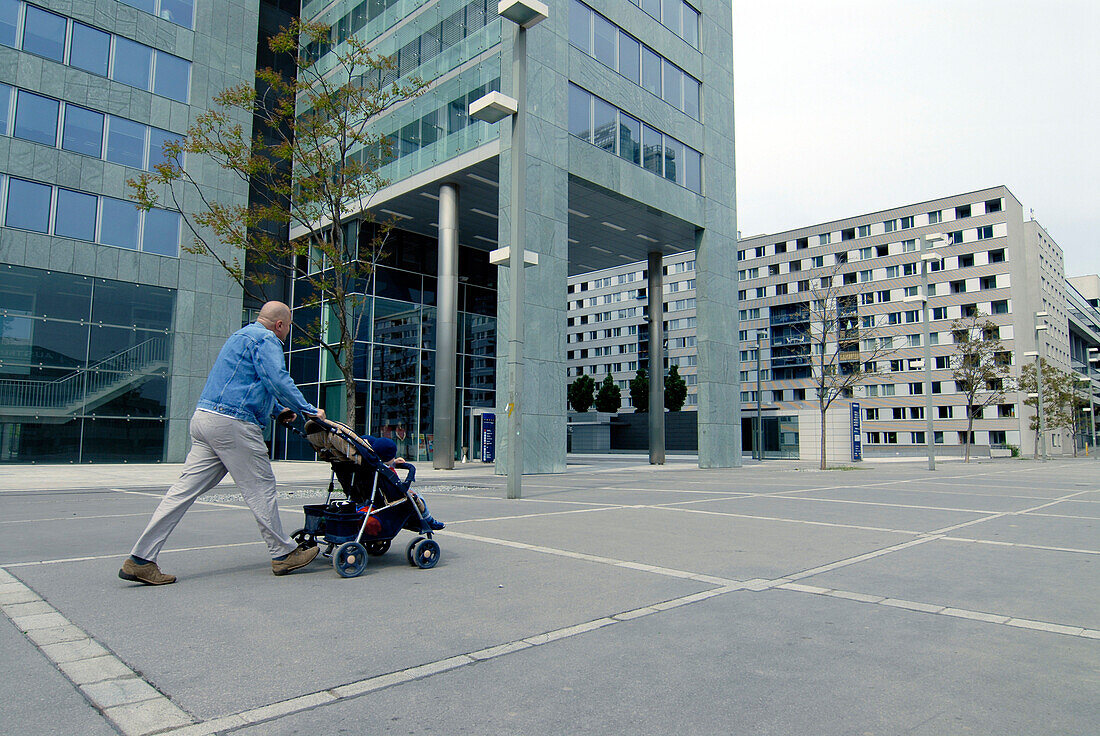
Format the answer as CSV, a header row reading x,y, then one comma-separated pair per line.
x,y
1002,514
101,516
860,558
121,555
161,494
999,543
941,610
127,700
759,517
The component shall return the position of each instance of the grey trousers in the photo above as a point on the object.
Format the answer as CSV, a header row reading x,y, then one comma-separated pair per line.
x,y
220,445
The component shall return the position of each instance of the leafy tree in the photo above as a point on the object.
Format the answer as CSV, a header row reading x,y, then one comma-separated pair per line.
x,y
675,390
610,396
580,393
312,165
1060,401
639,390
981,367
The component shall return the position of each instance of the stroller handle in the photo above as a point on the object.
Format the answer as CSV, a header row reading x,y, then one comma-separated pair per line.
x,y
409,467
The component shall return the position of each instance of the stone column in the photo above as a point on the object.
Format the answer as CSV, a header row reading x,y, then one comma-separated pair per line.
x,y
656,316
446,331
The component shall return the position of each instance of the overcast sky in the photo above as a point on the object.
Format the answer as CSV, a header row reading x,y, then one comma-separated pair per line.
x,y
845,107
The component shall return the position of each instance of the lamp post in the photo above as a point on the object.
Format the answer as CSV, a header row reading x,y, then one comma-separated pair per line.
x,y
1039,328
927,243
1089,352
492,108
759,415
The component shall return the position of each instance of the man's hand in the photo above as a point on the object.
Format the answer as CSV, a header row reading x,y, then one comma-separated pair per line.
x,y
286,417
321,414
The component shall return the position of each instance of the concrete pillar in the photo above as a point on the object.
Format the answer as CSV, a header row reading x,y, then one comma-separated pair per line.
x,y
446,331
716,330
656,315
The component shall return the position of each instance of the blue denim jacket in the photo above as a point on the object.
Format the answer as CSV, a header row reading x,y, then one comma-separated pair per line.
x,y
250,376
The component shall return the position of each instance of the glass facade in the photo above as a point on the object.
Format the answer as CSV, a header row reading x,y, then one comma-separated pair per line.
x,y
83,368
395,349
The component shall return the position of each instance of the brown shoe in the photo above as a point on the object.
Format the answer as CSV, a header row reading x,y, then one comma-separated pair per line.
x,y
149,574
298,558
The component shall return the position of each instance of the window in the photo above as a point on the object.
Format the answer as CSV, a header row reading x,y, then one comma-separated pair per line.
x,y
580,113
173,77
125,142
966,260
161,234
881,251
884,296
955,237
894,318
962,211
652,150
993,205
987,282
604,40
865,276
1000,306
44,33
985,232
604,121
906,222
890,225
28,206
911,291
997,256
630,58
935,217
36,118
824,238
958,287
817,261
651,71
90,49
916,438
892,272
911,316
939,312
908,246
864,231
944,412
916,389
630,139
9,19
943,362
937,437
871,414
865,254
802,243
874,438
672,91
1006,410
157,139
76,215
120,223
179,12
133,63
82,131
887,389
937,387
909,269
890,438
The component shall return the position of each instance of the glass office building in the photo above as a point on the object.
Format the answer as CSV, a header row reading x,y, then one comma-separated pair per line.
x,y
107,326
628,153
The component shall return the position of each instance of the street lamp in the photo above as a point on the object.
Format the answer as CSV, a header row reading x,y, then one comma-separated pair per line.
x,y
494,107
759,416
1040,327
927,243
1092,406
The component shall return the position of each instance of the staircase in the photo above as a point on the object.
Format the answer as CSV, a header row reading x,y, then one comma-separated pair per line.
x,y
85,388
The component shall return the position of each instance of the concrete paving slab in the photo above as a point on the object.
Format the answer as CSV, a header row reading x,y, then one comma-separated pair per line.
x,y
888,517
1004,581
959,502
710,544
1042,530
858,669
37,698
229,635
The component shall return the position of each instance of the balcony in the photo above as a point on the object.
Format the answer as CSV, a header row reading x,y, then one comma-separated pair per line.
x,y
786,319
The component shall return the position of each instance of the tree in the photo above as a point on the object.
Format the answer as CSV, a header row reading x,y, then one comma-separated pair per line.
x,y
981,367
675,389
639,390
1055,398
610,396
828,324
580,393
313,166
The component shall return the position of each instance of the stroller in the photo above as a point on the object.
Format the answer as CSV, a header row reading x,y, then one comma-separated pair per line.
x,y
378,504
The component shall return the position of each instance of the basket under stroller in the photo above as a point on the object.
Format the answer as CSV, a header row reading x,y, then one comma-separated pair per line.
x,y
377,507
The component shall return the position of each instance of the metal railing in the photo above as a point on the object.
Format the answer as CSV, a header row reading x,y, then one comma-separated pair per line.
x,y
70,390
784,319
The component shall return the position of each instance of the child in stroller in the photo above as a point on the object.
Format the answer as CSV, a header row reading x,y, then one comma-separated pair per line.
x,y
379,504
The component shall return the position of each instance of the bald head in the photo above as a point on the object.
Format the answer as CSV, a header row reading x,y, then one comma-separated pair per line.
x,y
275,316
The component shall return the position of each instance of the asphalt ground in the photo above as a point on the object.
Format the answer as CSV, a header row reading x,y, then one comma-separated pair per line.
x,y
616,598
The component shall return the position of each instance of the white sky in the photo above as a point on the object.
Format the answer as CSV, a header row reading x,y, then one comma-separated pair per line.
x,y
845,107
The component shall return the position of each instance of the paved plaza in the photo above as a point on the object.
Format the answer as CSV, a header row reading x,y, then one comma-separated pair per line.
x,y
616,598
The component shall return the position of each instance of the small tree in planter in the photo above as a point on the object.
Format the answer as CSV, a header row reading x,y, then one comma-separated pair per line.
x,y
675,390
610,396
981,367
581,392
639,390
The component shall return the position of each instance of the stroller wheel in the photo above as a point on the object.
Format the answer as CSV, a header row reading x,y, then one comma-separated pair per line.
x,y
350,560
426,554
409,550
378,548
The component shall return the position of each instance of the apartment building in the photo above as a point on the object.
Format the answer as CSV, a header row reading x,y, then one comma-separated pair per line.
x,y
990,260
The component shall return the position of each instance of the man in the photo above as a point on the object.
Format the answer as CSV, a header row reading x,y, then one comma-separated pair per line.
x,y
247,381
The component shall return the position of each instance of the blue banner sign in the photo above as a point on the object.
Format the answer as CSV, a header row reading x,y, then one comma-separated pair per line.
x,y
488,438
857,435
